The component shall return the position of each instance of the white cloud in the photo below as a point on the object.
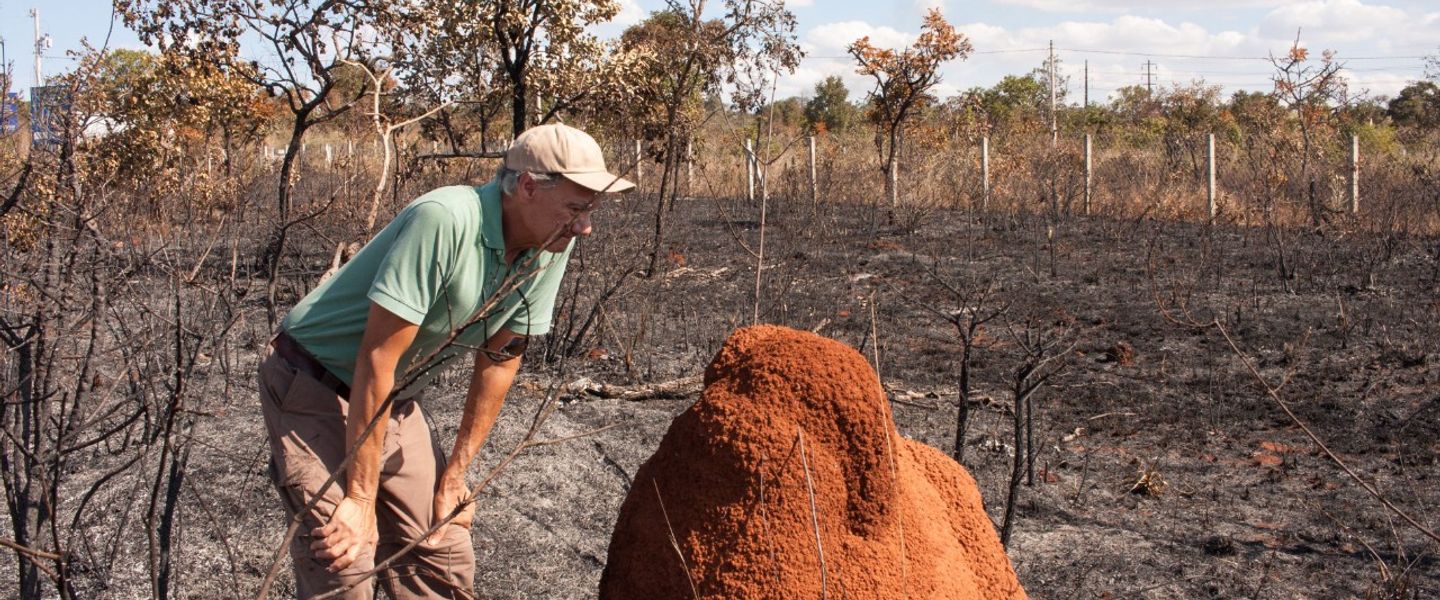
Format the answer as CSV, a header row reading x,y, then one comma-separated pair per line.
x,y
1134,5
1179,51
1373,84
630,13
1329,22
825,46
924,6
832,38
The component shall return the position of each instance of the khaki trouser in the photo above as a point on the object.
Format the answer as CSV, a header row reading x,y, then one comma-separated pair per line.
x,y
306,423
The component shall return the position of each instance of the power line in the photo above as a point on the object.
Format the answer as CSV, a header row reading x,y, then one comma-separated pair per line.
x,y
1217,57
1012,51
1016,51
1338,57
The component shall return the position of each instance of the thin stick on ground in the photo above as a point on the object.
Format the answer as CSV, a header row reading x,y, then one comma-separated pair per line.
x,y
695,592
885,417
814,516
875,343
764,205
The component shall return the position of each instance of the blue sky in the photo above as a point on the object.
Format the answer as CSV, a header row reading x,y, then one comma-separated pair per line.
x,y
1221,41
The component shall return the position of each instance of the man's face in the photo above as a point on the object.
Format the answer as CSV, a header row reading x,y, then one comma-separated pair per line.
x,y
559,205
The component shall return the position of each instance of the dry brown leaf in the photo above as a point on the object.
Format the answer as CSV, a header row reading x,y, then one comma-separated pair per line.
x,y
1266,459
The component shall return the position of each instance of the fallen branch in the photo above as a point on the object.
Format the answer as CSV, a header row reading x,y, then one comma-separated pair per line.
x,y
664,390
28,551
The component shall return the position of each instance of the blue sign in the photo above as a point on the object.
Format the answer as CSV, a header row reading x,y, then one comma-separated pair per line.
x,y
10,113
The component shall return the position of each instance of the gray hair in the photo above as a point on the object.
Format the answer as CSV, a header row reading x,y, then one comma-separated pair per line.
x,y
509,178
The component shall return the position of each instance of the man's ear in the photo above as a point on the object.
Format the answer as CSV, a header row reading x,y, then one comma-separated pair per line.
x,y
526,184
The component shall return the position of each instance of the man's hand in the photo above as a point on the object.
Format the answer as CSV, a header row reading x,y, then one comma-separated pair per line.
x,y
450,491
348,535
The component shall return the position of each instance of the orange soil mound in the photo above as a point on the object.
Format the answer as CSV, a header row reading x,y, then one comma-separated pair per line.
x,y
732,476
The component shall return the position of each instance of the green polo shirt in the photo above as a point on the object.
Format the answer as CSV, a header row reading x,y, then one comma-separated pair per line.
x,y
436,265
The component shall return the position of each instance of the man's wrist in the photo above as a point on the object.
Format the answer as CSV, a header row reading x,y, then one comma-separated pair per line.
x,y
452,472
360,498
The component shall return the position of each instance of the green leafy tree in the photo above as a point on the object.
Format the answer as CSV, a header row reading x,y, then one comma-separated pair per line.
x,y
1016,103
1417,105
830,108
787,112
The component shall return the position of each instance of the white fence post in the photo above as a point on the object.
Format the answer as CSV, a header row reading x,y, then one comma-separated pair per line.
x,y
985,172
1354,174
814,183
1210,177
329,156
689,167
1089,173
749,171
639,165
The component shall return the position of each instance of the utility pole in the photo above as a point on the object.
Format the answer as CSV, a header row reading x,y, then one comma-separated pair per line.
x,y
1149,86
1054,129
1087,84
40,43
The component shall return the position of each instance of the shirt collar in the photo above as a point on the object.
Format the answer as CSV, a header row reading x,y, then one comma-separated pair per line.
x,y
492,221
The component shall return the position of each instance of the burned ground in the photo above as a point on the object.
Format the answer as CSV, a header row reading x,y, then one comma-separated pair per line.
x,y
1162,468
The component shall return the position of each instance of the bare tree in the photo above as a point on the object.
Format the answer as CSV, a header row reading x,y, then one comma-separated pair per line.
x,y
99,369
903,80
1043,356
1311,91
683,56
973,308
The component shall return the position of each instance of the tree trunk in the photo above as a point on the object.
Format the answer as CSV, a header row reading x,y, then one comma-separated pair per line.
x,y
1017,467
666,195
25,510
275,248
962,417
1030,440
519,116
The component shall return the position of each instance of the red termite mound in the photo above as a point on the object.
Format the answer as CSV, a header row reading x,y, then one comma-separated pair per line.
x,y
788,479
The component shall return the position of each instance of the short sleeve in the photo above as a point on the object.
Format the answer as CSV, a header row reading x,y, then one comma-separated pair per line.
x,y
538,304
413,273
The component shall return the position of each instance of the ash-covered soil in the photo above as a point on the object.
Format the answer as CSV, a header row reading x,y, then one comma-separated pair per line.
x,y
1163,469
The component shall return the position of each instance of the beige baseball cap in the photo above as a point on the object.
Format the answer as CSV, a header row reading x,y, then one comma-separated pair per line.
x,y
566,151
